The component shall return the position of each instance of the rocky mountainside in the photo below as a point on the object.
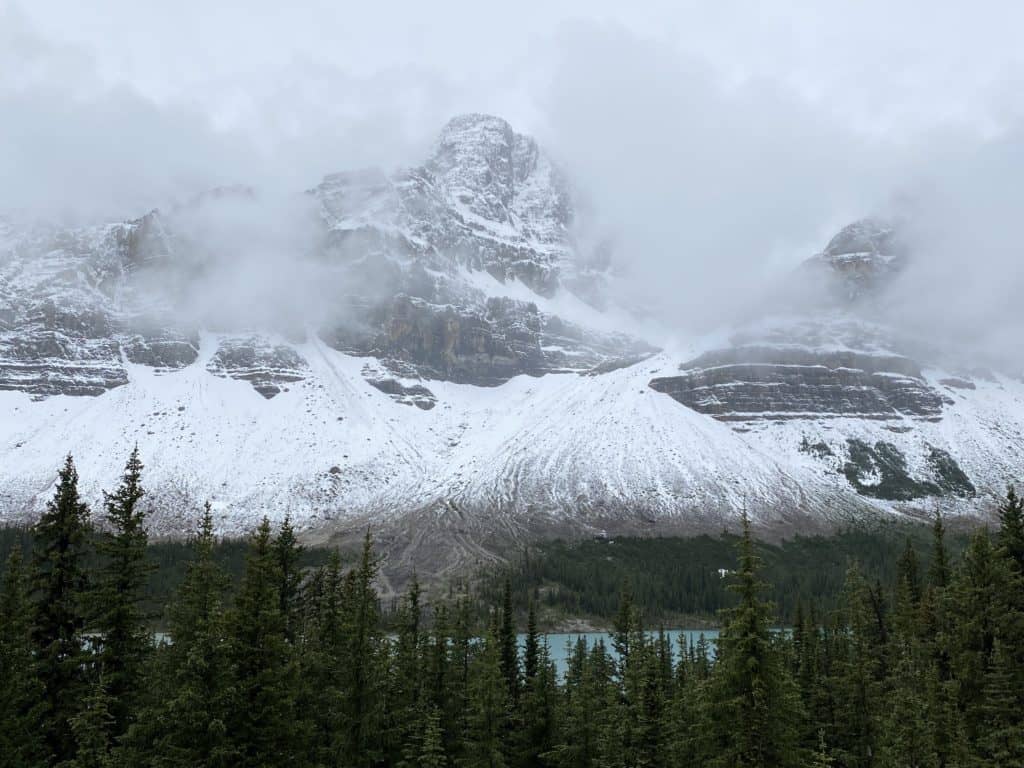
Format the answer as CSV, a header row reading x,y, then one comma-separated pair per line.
x,y
433,352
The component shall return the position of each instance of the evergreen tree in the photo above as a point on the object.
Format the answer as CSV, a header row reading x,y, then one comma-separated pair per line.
x,y
124,639
908,742
264,722
488,714
455,716
908,593
406,711
938,569
362,678
20,744
975,607
91,727
623,625
580,705
187,723
531,648
431,742
287,553
753,713
1004,690
1001,743
1011,528
324,655
508,643
537,706
821,758
944,726
858,675
60,587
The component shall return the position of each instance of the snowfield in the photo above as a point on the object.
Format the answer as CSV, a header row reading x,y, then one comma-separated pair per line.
x,y
434,353
562,449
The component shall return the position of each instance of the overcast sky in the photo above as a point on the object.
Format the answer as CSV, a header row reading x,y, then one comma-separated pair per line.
x,y
714,139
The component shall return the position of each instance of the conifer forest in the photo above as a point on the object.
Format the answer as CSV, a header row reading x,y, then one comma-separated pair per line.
x,y
294,666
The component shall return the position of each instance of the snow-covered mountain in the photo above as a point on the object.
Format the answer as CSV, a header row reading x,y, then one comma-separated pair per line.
x,y
432,351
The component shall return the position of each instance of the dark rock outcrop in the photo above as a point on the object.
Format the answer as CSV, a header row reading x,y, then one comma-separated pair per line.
x,y
744,383
415,394
880,471
860,259
268,367
67,299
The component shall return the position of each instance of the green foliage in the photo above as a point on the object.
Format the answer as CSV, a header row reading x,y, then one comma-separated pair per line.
x,y
265,676
678,580
753,713
185,720
122,634
20,741
60,588
915,658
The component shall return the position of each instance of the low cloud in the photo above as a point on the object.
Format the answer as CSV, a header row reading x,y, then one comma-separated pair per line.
x,y
716,153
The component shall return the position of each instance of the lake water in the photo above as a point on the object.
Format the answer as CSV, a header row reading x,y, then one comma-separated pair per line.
x,y
560,644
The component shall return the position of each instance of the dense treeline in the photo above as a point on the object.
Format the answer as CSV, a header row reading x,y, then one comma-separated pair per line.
x,y
683,577
292,668
167,562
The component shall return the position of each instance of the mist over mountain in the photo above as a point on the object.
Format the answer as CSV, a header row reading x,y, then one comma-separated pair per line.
x,y
619,278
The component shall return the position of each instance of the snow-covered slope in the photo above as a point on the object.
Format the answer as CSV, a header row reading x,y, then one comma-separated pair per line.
x,y
463,391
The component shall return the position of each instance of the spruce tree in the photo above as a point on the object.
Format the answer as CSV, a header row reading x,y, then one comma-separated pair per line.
x,y
579,743
431,742
91,727
59,588
1001,742
323,659
531,648
622,626
1008,657
753,714
406,713
20,741
858,674
124,638
907,740
508,643
288,552
938,569
187,723
975,605
263,725
908,592
820,757
362,674
536,726
455,714
1011,528
488,710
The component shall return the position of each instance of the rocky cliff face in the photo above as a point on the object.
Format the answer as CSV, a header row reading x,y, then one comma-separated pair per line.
x,y
71,312
405,254
486,204
455,380
755,382
269,367
830,361
860,259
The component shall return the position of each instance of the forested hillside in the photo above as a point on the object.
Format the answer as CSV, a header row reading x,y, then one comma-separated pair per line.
x,y
685,581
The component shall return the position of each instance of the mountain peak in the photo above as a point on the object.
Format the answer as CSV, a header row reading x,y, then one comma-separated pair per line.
x,y
870,236
861,258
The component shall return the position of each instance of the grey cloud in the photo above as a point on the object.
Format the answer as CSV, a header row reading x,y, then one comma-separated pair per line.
x,y
717,146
